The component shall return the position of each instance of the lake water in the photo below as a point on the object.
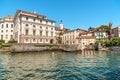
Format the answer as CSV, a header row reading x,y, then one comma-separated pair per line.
x,y
60,66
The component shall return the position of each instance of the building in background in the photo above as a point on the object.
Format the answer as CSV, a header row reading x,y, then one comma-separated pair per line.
x,y
71,36
31,27
86,38
101,34
116,31
6,28
60,30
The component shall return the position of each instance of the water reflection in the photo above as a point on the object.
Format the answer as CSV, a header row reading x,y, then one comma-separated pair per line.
x,y
58,65
91,59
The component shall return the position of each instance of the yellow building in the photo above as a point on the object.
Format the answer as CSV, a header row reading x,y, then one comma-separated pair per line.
x,y
86,38
71,37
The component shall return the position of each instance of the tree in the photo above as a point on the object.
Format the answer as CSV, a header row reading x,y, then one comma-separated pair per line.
x,y
100,41
1,43
105,27
59,38
107,43
115,41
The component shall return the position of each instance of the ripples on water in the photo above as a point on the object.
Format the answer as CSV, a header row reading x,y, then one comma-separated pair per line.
x,y
60,66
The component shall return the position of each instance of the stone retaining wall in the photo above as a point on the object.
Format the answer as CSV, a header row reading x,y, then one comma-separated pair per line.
x,y
34,47
30,48
115,48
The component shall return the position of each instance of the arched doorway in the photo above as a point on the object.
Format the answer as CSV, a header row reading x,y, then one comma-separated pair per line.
x,y
51,41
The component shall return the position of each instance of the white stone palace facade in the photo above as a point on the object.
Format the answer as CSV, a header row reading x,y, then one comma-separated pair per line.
x,y
6,28
30,27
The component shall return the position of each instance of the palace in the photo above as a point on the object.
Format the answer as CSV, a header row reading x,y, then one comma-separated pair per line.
x,y
6,28
30,27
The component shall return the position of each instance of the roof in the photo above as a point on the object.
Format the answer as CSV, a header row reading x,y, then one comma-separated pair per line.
x,y
79,29
58,28
7,18
32,14
86,32
86,37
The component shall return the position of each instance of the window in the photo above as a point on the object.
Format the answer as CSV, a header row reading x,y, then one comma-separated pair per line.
x,y
40,33
2,25
11,30
73,36
46,40
34,32
1,30
34,19
6,30
46,27
11,25
26,32
33,40
11,37
26,25
51,23
52,34
6,25
1,36
46,33
40,21
34,26
26,18
26,40
40,40
6,36
46,22
51,28
40,27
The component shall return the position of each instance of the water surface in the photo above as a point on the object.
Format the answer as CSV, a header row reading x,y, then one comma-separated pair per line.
x,y
60,66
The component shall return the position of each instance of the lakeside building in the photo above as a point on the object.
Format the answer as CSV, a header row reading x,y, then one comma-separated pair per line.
x,y
70,37
30,27
116,31
86,38
101,34
6,28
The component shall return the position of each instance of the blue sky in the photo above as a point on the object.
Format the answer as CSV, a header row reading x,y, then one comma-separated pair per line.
x,y
74,13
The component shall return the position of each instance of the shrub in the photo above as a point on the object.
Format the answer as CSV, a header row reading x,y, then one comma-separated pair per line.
x,y
12,41
2,41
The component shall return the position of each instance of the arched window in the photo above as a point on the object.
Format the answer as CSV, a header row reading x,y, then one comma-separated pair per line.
x,y
6,25
2,25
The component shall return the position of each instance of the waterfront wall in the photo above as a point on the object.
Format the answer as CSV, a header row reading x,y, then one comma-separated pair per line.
x,y
38,48
42,47
31,48
115,48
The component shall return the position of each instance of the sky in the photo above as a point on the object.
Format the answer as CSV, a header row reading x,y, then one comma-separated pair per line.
x,y
74,13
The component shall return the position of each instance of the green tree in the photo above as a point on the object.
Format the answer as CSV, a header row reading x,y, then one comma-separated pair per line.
x,y
1,43
105,27
115,41
107,43
101,42
59,38
12,41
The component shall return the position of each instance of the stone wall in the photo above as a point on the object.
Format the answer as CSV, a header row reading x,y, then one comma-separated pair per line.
x,y
115,48
70,47
30,48
36,48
